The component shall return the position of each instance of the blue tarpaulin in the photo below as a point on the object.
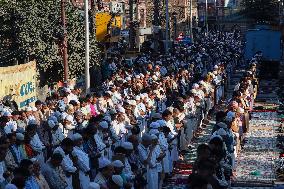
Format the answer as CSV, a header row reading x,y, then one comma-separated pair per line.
x,y
186,40
265,40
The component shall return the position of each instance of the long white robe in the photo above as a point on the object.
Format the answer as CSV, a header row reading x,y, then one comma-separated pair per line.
x,y
10,127
152,172
174,143
100,144
57,136
142,123
165,147
120,131
36,143
38,146
183,141
109,151
84,165
2,171
67,165
158,151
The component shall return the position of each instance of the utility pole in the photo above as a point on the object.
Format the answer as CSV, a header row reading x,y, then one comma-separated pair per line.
x,y
131,26
93,14
156,24
216,12
137,27
191,20
87,46
167,27
64,43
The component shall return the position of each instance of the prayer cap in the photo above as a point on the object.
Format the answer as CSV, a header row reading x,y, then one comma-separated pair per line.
x,y
117,163
20,136
103,162
127,145
103,124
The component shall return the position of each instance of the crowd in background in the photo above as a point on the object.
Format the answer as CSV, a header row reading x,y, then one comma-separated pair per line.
x,y
130,134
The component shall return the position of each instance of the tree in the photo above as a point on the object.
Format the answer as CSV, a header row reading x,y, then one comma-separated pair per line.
x,y
37,33
261,10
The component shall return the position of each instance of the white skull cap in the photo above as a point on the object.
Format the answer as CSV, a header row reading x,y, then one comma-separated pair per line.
x,y
103,162
127,145
20,136
117,163
69,118
76,136
103,124
154,125
51,123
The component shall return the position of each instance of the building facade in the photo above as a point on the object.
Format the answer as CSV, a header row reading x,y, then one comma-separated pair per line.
x,y
179,15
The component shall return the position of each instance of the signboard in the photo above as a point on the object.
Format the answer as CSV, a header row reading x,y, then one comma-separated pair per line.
x,y
19,83
186,40
230,3
183,39
145,31
116,7
103,20
80,4
124,33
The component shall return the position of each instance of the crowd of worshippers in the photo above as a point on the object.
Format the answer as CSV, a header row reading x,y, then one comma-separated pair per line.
x,y
128,135
215,164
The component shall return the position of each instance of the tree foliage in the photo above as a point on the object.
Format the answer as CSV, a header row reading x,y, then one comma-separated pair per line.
x,y
33,28
261,10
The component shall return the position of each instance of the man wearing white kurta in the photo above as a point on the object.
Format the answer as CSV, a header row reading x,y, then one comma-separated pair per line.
x,y
127,167
120,130
106,139
10,126
65,149
83,161
154,167
174,151
190,119
69,126
100,144
38,146
56,133
146,157
105,172
139,113
165,147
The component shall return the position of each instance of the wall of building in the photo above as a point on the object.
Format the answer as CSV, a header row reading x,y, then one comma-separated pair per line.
x,y
180,8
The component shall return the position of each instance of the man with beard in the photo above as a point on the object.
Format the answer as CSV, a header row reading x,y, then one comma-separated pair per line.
x,y
53,172
65,149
